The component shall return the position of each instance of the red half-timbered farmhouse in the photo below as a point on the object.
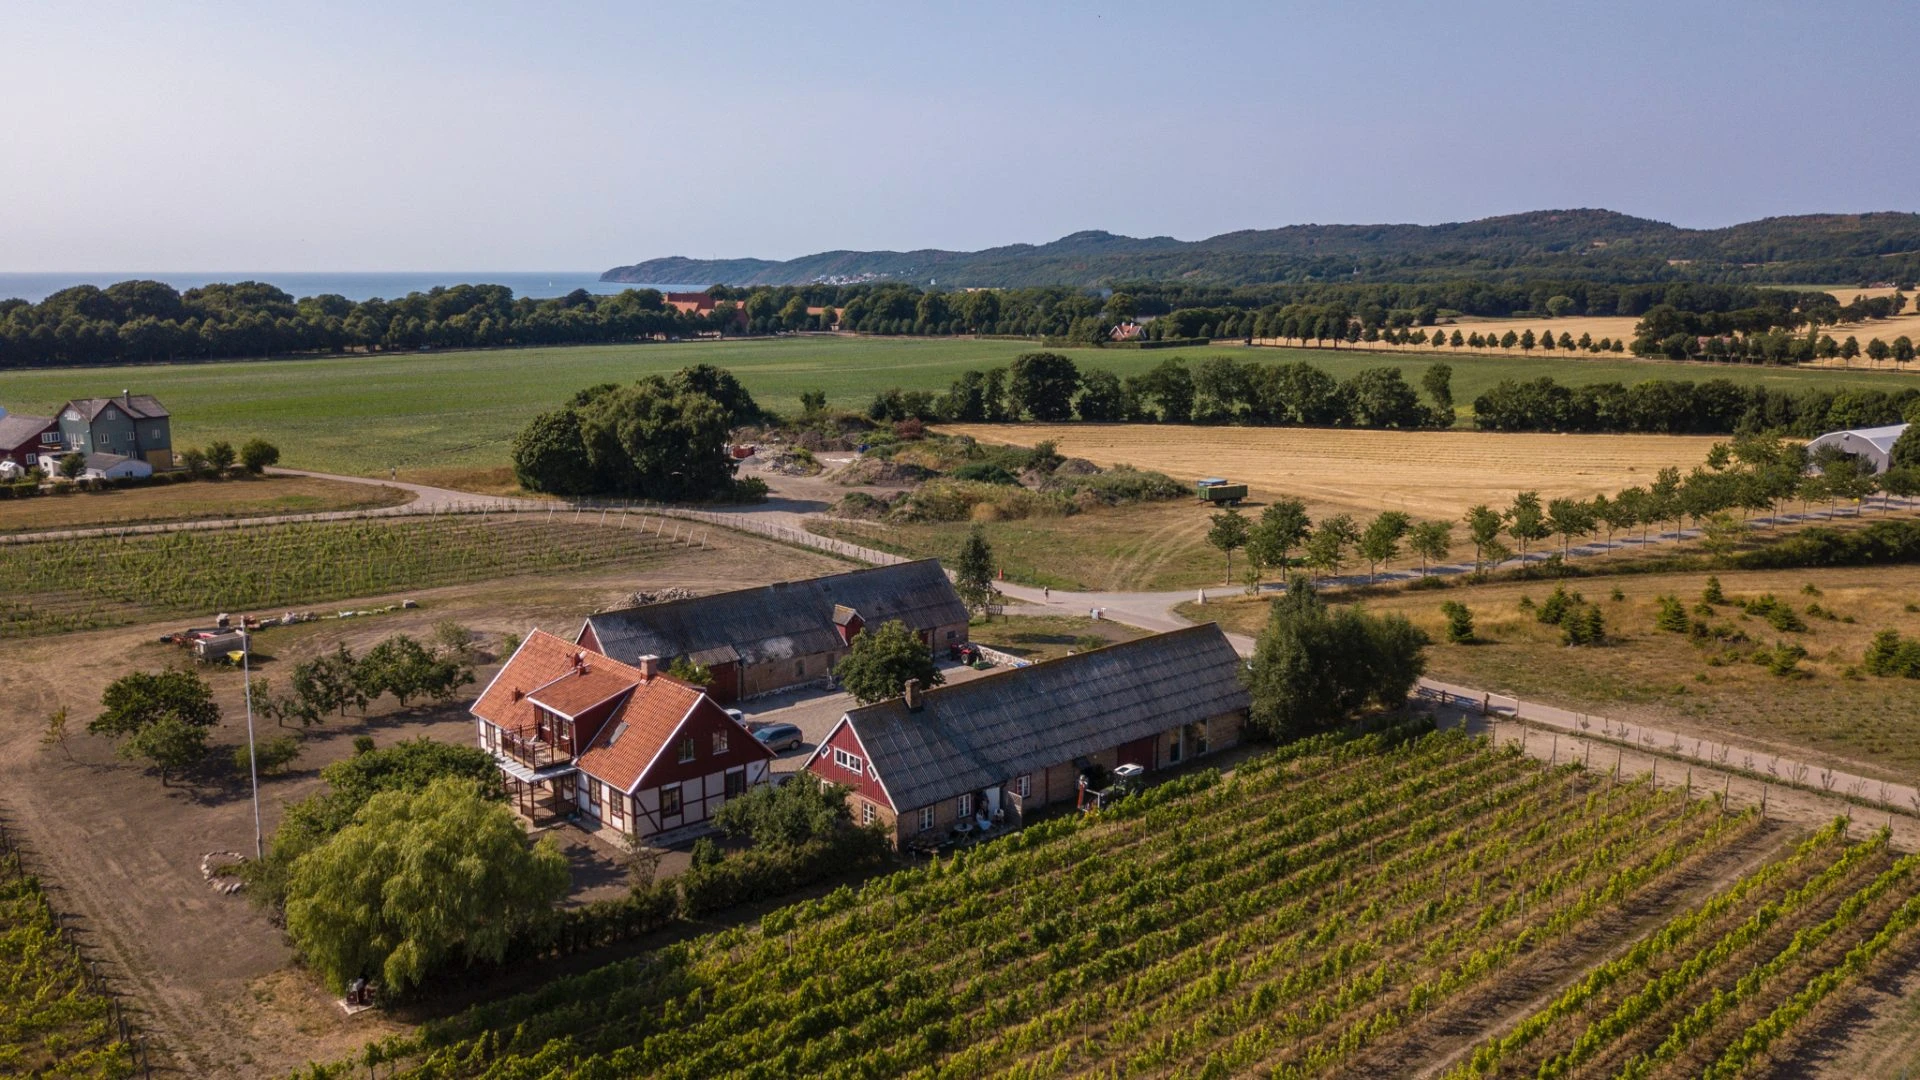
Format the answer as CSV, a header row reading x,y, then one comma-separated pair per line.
x,y
631,748
983,754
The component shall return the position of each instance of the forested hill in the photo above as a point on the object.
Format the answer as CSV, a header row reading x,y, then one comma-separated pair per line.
x,y
1597,245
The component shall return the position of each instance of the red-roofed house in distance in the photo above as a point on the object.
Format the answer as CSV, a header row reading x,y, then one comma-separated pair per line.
x,y
630,749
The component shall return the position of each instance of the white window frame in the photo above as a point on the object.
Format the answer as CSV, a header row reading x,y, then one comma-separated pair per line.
x,y
867,812
849,762
964,804
926,818
1023,785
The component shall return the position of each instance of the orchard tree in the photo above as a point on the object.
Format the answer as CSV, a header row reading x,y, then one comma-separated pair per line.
x,y
162,717
880,661
418,882
1380,540
221,456
1229,534
1483,527
1526,521
1430,540
1281,528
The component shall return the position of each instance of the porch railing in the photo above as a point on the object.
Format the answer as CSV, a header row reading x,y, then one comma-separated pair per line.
x,y
526,746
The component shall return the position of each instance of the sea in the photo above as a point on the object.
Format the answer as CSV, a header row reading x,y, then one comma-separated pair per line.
x,y
387,285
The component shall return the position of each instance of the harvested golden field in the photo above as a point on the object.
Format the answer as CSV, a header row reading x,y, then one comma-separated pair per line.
x,y
1429,474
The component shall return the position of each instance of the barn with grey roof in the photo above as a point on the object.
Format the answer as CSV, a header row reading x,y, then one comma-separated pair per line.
x,y
984,753
772,637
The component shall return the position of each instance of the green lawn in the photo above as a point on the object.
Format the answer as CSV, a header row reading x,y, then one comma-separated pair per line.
x,y
460,410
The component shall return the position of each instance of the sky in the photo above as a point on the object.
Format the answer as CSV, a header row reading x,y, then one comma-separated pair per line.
x,y
406,136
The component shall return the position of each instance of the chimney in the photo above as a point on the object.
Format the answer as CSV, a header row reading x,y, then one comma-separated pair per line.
x,y
580,661
912,694
649,666
126,399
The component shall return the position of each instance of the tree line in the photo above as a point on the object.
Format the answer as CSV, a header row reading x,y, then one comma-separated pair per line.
x,y
143,321
1672,407
1049,386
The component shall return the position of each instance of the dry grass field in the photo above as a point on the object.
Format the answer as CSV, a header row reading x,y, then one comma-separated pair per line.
x,y
1829,709
1429,474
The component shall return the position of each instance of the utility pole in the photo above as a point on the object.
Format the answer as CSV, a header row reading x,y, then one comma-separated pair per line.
x,y
253,761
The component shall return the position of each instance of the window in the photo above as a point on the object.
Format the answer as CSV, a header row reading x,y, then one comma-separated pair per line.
x,y
799,669
1173,748
49,438
964,805
951,634
867,813
593,794
926,818
849,762
719,742
686,749
1023,785
670,801
736,783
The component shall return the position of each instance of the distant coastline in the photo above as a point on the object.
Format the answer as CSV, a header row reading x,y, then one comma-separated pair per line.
x,y
388,285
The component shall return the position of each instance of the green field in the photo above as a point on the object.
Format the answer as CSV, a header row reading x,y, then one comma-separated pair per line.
x,y
459,410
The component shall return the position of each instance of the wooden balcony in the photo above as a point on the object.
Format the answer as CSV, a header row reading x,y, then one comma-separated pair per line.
x,y
531,748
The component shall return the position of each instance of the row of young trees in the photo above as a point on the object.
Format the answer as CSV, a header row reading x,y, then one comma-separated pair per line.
x,y
336,681
1218,390
1750,474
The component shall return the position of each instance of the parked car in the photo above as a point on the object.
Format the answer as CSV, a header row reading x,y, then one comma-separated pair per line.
x,y
739,718
780,737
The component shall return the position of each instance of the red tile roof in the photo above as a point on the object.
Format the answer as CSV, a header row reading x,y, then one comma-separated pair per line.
x,y
542,670
595,681
633,735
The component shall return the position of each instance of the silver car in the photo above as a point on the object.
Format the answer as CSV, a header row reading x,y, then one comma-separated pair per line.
x,y
780,737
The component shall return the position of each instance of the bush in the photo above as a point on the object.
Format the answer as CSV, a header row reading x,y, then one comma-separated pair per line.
x,y
272,755
1584,625
1880,542
1712,594
257,455
1459,622
1779,615
1672,617
1558,606
1890,654
984,473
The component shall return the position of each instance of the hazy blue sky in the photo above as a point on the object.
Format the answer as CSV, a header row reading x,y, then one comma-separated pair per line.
x,y
396,135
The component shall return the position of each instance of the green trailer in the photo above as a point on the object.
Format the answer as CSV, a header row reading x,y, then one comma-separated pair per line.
x,y
1216,490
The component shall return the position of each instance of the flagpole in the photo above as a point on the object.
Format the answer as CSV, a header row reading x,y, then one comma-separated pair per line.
x,y
253,762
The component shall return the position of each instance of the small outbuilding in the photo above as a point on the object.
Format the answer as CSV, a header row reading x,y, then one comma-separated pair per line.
x,y
1874,443
115,467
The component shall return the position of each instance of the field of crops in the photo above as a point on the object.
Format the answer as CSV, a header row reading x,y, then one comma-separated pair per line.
x,y
1329,909
58,586
52,1021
